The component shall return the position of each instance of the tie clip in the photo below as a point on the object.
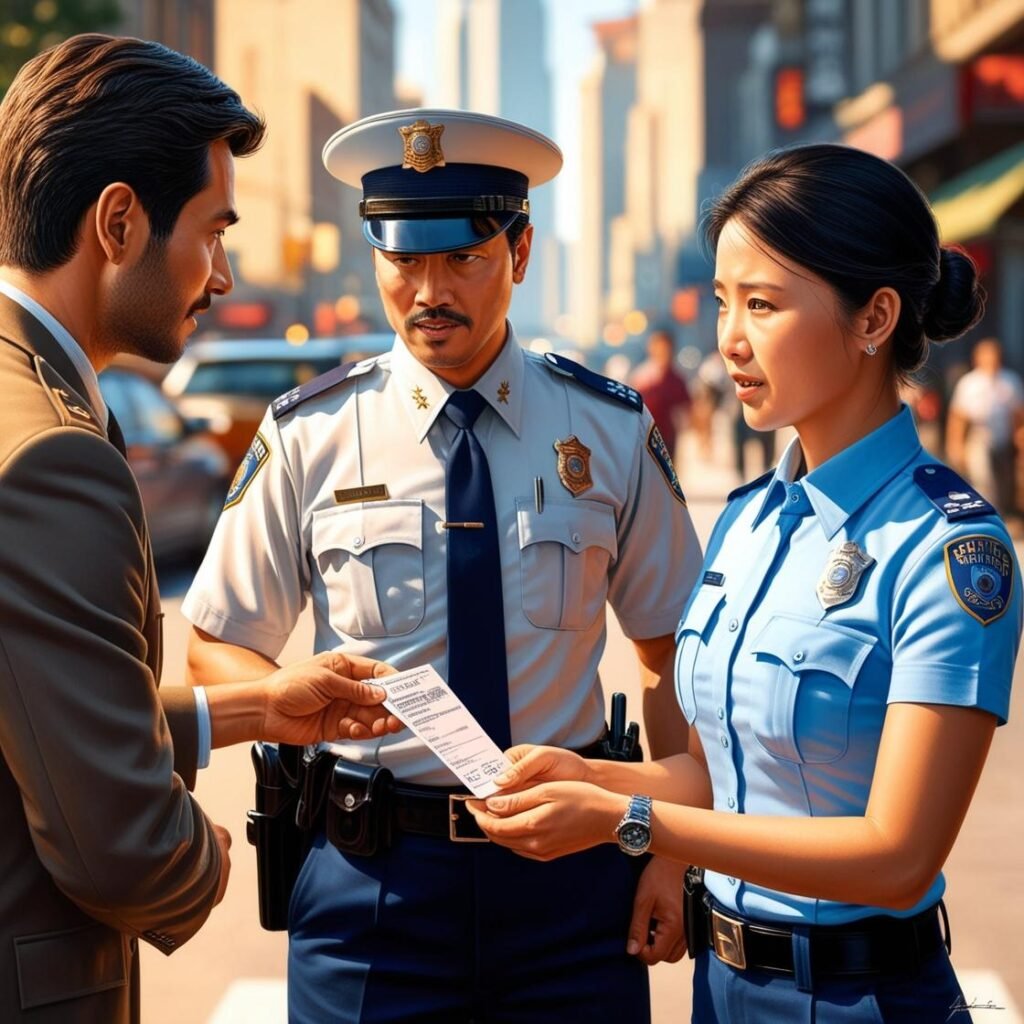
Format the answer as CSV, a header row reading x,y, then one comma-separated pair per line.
x,y
462,526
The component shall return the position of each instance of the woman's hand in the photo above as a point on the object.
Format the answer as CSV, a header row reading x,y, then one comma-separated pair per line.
x,y
552,819
532,765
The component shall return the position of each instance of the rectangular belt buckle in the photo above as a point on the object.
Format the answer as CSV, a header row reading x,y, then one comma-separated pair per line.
x,y
454,817
728,939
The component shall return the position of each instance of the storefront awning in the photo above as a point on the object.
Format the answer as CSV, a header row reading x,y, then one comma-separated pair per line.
x,y
970,205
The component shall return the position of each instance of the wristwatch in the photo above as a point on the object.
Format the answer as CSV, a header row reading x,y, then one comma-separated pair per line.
x,y
634,831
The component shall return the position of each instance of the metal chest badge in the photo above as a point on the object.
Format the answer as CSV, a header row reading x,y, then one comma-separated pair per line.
x,y
574,465
422,146
842,573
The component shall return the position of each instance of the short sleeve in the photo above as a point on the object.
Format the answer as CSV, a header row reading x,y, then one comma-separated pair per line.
x,y
957,621
659,554
251,585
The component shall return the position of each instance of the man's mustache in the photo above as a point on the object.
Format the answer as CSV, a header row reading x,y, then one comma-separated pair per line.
x,y
438,313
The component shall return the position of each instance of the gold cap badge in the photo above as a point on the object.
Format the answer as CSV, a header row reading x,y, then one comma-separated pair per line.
x,y
574,465
422,142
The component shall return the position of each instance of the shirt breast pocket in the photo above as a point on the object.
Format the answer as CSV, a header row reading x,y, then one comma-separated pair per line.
x,y
371,560
693,631
801,704
565,553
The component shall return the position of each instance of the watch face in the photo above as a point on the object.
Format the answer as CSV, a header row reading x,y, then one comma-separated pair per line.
x,y
634,837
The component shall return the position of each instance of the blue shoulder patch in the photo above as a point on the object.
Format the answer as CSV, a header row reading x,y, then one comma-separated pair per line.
x,y
980,573
750,485
950,493
317,386
602,385
660,453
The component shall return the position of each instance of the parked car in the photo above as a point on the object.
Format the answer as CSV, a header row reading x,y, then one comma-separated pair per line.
x,y
183,474
230,383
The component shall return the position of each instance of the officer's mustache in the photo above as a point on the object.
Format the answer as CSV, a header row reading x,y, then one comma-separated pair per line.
x,y
438,313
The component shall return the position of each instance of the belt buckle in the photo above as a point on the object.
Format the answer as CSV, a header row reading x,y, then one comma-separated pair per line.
x,y
728,940
454,818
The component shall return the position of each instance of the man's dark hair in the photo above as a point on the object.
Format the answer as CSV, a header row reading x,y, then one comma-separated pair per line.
x,y
101,109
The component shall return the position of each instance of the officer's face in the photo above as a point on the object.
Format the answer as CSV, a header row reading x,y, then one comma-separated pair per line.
x,y
152,303
449,308
781,332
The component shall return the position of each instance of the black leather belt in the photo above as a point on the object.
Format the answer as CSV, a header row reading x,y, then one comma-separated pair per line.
x,y
872,945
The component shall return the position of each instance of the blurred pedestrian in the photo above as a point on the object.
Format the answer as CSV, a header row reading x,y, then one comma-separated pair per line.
x,y
116,187
663,387
710,389
987,411
743,436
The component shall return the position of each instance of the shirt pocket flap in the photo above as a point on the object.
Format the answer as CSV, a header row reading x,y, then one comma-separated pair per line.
x,y
808,646
576,526
79,962
699,611
362,528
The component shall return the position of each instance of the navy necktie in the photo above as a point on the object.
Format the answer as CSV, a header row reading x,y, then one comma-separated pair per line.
x,y
477,670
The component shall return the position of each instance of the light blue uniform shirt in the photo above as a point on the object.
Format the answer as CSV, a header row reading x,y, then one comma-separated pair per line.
x,y
788,696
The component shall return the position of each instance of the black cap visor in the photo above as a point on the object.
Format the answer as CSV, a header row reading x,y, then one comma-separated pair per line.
x,y
435,234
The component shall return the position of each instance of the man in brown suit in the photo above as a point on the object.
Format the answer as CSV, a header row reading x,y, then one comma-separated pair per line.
x,y
116,186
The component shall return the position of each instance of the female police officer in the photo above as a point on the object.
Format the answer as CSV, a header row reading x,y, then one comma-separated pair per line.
x,y
850,650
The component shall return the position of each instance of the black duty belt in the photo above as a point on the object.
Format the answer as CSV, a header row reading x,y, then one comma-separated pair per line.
x,y
873,945
419,810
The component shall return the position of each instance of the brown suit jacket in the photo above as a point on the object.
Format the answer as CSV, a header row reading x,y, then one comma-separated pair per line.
x,y
100,841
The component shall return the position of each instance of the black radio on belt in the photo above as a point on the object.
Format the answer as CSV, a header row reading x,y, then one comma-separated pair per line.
x,y
622,742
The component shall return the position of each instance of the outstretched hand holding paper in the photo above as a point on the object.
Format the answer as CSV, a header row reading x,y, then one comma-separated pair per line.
x,y
428,706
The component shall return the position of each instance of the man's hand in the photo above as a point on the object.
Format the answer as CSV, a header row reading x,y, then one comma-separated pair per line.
x,y
656,930
326,698
223,837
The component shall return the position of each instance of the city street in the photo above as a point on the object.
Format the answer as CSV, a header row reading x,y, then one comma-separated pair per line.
x,y
232,972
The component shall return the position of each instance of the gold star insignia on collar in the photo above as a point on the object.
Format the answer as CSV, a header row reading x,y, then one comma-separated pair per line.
x,y
503,391
420,398
422,146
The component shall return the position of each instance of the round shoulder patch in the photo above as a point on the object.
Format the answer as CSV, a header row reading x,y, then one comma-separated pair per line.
x,y
252,463
660,453
980,573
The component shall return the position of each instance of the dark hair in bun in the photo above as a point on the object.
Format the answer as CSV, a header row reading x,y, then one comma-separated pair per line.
x,y
861,224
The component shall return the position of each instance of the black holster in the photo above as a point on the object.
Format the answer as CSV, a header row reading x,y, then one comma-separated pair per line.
x,y
695,911
622,742
281,845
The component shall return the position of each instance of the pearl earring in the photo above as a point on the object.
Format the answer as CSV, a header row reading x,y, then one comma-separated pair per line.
x,y
871,350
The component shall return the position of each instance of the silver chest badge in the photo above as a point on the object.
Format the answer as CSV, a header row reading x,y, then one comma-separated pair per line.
x,y
842,572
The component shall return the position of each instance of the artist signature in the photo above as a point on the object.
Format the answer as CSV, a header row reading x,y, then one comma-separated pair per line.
x,y
960,1005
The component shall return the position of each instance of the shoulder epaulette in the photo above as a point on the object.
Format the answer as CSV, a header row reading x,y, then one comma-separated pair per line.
x,y
750,485
291,400
602,385
69,404
953,496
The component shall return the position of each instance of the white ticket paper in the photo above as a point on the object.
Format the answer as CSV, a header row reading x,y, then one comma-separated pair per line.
x,y
428,706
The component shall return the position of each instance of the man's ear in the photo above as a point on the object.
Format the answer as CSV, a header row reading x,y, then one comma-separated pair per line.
x,y
121,224
521,254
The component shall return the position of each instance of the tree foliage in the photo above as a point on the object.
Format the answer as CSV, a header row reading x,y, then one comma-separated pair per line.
x,y
28,26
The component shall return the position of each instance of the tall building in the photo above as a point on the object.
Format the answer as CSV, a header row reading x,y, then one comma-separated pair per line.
x,y
492,58
184,25
607,94
310,67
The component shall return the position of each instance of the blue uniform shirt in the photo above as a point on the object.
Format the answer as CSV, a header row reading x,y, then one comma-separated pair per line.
x,y
788,689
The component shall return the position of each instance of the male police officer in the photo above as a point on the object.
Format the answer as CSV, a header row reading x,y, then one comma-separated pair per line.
x,y
462,503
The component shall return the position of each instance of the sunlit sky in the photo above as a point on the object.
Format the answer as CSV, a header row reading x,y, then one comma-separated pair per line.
x,y
569,39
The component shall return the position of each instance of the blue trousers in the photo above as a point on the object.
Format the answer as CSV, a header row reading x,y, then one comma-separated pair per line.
x,y
722,995
432,932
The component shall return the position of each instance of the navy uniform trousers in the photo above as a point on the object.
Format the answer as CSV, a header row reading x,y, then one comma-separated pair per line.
x,y
433,932
722,995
